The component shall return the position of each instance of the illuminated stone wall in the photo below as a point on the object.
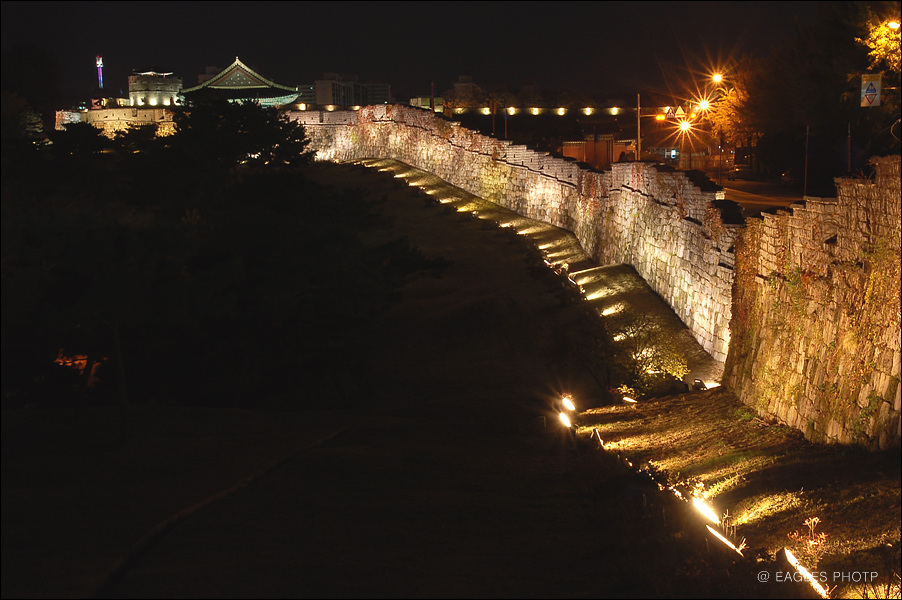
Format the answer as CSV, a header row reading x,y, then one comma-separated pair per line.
x,y
111,120
816,338
648,216
814,312
154,89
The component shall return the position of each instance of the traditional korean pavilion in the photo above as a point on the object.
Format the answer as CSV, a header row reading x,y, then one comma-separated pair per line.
x,y
238,82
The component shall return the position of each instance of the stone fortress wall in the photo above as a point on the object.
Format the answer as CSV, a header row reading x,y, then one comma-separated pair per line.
x,y
679,234
120,119
816,313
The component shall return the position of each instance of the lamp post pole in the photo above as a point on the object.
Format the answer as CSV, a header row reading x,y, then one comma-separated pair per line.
x,y
638,126
720,162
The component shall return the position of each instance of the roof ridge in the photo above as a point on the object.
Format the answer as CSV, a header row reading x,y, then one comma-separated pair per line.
x,y
230,70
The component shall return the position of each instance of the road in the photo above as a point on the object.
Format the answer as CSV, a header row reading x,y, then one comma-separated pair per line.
x,y
757,196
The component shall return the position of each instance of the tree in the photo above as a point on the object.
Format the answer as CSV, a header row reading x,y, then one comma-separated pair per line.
x,y
806,95
136,138
229,134
883,40
78,140
645,354
32,73
729,112
464,95
20,121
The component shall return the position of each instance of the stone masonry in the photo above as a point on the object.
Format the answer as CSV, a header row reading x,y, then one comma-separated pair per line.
x,y
816,338
675,229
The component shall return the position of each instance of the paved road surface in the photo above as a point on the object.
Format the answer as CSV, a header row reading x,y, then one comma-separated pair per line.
x,y
756,196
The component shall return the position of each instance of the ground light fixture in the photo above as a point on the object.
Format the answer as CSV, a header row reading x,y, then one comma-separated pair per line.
x,y
565,420
598,437
725,541
805,573
705,510
567,401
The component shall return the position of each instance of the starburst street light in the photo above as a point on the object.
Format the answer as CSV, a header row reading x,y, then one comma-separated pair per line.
x,y
685,131
708,97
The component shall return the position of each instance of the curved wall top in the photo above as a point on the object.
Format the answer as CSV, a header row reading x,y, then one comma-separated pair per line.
x,y
671,227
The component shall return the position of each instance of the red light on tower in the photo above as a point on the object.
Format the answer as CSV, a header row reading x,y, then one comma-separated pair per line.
x,y
100,71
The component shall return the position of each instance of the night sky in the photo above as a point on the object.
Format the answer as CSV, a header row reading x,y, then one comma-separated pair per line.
x,y
595,47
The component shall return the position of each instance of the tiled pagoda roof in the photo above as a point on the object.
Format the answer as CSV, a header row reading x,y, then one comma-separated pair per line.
x,y
240,81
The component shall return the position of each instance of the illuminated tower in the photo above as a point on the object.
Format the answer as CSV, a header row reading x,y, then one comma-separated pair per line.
x,y
150,88
100,71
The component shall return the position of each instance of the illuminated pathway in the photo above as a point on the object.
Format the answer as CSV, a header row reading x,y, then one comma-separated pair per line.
x,y
616,292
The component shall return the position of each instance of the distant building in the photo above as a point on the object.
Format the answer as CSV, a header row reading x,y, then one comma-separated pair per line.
x,y
151,95
344,91
436,104
238,82
150,88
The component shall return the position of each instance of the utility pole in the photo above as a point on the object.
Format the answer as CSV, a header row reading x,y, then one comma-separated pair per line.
x,y
805,184
492,106
638,126
849,150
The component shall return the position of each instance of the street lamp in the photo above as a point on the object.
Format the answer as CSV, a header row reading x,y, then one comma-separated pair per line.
x,y
715,97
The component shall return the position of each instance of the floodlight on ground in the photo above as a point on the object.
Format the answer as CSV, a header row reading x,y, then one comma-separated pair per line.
x,y
805,573
611,310
598,437
565,420
629,400
567,401
705,510
725,541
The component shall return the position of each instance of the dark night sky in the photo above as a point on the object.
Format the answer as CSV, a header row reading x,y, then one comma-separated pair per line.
x,y
604,47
